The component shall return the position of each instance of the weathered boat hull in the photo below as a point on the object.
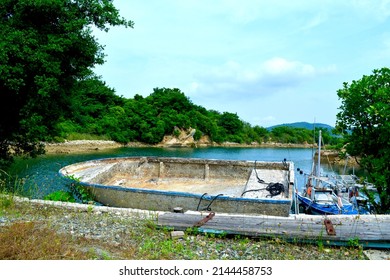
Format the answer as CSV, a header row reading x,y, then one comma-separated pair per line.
x,y
163,184
318,209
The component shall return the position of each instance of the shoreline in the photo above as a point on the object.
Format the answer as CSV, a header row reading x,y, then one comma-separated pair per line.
x,y
83,146
75,146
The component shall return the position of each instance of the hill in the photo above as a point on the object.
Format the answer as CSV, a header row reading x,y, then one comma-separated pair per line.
x,y
306,125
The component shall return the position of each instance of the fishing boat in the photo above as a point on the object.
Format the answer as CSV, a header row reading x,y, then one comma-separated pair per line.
x,y
356,192
169,184
319,196
322,200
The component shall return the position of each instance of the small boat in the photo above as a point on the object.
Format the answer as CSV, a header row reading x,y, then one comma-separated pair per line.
x,y
168,184
357,192
319,196
324,201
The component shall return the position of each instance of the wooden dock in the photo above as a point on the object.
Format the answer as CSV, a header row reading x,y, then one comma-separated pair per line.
x,y
369,231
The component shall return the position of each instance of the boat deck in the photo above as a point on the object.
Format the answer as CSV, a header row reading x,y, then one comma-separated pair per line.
x,y
228,187
234,187
165,183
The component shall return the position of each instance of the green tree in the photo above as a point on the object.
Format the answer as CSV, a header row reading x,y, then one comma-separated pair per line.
x,y
262,133
231,123
365,119
46,48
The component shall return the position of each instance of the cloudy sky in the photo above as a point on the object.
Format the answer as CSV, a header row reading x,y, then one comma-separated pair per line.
x,y
271,62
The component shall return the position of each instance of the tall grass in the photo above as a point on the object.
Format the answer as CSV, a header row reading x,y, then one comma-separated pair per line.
x,y
30,241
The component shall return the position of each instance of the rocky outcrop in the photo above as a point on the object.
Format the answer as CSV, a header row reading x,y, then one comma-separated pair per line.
x,y
334,158
78,146
184,138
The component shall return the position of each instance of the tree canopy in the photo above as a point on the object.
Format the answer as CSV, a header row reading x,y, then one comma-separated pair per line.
x,y
365,119
46,48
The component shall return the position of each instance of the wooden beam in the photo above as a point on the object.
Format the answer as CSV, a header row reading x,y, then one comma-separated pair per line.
x,y
365,229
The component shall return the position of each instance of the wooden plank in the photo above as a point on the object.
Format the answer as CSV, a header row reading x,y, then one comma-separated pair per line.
x,y
366,228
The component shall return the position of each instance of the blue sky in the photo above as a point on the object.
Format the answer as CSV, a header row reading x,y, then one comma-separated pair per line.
x,y
271,62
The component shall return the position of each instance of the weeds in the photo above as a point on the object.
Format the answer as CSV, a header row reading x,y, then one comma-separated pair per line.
x,y
76,193
12,185
29,241
60,196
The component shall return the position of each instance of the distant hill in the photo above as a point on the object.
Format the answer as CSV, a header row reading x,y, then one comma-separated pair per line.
x,y
304,125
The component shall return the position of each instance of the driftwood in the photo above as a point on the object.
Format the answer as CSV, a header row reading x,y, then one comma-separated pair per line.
x,y
366,230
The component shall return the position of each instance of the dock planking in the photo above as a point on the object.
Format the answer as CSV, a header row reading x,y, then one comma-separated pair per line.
x,y
367,230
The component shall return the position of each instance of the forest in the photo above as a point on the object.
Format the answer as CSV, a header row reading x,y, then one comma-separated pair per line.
x,y
97,112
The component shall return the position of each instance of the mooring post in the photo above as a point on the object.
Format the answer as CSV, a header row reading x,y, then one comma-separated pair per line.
x,y
161,170
206,171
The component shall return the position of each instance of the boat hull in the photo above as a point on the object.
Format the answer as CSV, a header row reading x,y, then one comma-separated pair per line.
x,y
165,184
311,207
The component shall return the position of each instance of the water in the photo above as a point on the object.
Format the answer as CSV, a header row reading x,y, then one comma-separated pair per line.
x,y
42,173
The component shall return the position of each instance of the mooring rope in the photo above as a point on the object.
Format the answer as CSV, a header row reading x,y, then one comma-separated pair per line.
x,y
208,208
274,189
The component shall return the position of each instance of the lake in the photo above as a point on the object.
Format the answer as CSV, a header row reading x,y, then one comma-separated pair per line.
x,y
41,174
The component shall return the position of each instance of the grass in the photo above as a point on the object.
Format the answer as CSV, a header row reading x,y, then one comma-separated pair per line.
x,y
31,231
31,241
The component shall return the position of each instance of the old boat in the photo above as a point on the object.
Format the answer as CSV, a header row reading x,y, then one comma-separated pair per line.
x,y
169,183
318,196
322,200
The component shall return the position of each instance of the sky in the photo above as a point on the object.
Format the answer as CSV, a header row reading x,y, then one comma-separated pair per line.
x,y
270,62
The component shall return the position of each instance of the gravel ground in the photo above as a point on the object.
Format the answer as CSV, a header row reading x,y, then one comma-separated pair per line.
x,y
119,233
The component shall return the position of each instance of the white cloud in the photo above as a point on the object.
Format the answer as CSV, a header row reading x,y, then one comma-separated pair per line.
x,y
264,78
238,55
280,66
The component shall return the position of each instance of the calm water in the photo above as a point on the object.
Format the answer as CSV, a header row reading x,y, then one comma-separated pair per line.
x,y
42,173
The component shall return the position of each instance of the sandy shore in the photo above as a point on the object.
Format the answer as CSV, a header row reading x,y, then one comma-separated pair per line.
x,y
79,146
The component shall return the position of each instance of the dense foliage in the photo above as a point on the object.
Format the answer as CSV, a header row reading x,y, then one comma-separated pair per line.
x,y
365,114
46,49
98,111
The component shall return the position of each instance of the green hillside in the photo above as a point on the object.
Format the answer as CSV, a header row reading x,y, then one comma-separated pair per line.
x,y
305,125
96,111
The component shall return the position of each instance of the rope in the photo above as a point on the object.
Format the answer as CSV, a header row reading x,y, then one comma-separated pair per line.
x,y
261,181
200,200
274,189
208,208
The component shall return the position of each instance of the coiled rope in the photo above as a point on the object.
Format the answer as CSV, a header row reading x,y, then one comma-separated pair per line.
x,y
273,188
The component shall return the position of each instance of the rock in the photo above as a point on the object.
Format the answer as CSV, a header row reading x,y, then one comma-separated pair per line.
x,y
177,234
